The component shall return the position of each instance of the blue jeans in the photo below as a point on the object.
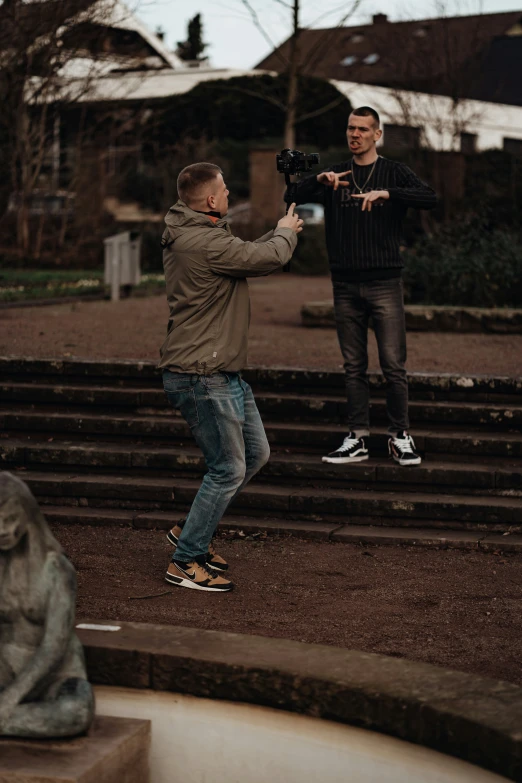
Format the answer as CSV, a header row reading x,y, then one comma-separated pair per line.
x,y
354,303
221,412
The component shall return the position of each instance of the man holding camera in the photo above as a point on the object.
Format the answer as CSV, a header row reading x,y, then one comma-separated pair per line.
x,y
206,271
365,201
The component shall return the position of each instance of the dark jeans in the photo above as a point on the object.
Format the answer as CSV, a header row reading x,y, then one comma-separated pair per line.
x,y
221,412
354,304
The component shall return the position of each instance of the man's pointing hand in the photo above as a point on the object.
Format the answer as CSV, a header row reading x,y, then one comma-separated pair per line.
x,y
291,220
373,197
333,179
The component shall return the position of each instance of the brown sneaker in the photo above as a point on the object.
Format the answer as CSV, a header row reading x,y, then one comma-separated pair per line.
x,y
174,534
213,559
197,576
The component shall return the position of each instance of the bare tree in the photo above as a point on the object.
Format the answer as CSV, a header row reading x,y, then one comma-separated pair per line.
x,y
436,78
294,66
50,53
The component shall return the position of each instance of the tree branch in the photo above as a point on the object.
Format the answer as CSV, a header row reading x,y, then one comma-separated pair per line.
x,y
257,23
322,110
245,91
316,51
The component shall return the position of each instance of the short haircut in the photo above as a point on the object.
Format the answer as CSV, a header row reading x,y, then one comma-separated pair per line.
x,y
192,177
367,111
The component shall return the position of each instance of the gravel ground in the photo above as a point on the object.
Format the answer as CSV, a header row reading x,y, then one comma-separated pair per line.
x,y
135,328
454,608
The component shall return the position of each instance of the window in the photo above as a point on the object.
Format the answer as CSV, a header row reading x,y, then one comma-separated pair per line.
x,y
350,60
399,137
420,32
371,59
513,146
468,143
42,202
357,38
122,160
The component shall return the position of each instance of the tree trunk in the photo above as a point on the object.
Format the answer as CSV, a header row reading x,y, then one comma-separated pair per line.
x,y
22,227
39,237
293,72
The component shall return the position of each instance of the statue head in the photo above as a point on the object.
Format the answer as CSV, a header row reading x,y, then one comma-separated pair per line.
x,y
21,517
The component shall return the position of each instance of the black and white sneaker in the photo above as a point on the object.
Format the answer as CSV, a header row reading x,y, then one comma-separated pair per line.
x,y
352,450
402,449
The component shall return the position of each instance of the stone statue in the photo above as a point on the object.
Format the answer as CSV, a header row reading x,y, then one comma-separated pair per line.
x,y
44,690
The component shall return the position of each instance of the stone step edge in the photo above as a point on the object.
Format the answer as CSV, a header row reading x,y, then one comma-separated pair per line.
x,y
375,472
431,318
195,460
72,425
139,396
147,369
32,411
364,535
129,399
179,485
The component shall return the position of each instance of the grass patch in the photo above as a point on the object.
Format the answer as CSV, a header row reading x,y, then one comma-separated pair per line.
x,y
20,285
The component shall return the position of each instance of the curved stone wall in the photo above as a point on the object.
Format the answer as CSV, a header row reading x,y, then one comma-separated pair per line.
x,y
197,740
460,715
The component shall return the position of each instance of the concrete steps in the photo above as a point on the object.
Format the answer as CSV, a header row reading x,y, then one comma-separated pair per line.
x,y
493,477
99,444
278,406
160,426
346,506
364,535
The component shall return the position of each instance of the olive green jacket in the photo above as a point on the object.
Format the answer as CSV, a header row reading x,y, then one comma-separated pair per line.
x,y
205,274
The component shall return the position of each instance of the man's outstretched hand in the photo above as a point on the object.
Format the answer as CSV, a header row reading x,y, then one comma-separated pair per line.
x,y
291,220
333,179
373,197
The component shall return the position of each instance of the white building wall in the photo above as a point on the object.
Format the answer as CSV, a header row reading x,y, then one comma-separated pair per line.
x,y
441,121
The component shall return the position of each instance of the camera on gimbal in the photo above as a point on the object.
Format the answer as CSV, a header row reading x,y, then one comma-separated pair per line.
x,y
292,161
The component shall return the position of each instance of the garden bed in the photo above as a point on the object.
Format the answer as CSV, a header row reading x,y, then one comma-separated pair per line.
x,y
46,286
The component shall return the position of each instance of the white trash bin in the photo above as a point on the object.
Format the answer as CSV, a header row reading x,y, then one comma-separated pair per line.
x,y
122,261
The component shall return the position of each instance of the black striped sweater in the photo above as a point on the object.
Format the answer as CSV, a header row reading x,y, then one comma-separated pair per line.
x,y
365,245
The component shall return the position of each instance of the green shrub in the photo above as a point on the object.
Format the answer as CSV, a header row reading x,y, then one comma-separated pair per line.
x,y
466,263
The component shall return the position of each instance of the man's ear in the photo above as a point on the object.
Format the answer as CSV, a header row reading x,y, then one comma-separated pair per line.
x,y
378,134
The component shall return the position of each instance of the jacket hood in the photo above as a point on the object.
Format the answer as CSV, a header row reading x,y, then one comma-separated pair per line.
x,y
180,217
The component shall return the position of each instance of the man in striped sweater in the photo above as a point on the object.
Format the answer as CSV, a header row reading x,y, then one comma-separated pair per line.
x,y
365,201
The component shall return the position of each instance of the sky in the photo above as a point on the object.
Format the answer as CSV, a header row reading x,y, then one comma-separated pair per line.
x,y
235,42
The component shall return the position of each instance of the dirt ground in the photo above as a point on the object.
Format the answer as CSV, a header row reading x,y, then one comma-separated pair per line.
x,y
135,328
458,609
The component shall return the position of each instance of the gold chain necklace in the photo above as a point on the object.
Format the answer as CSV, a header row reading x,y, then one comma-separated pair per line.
x,y
369,175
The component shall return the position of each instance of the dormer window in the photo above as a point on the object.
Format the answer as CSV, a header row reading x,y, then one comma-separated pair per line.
x,y
350,60
371,59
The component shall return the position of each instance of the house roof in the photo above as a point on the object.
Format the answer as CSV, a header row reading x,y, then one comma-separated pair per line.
x,y
43,19
441,56
148,85
116,14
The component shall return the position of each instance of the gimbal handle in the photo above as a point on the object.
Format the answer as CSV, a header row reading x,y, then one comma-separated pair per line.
x,y
290,191
289,198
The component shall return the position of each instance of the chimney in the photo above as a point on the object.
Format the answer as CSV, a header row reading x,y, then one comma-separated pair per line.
x,y
160,34
379,18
